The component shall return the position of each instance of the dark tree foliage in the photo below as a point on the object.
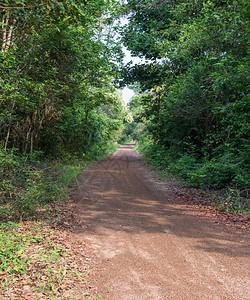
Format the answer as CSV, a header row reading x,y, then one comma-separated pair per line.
x,y
57,67
58,105
197,106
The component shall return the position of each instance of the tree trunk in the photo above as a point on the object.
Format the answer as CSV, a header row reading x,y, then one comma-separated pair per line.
x,y
10,33
4,29
8,131
7,32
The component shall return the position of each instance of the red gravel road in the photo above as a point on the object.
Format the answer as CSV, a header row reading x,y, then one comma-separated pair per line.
x,y
148,245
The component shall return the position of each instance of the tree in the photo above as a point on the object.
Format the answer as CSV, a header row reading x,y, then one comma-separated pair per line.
x,y
197,83
57,71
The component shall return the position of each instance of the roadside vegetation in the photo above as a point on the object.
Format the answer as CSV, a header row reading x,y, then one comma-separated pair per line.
x,y
38,262
193,92
39,253
59,111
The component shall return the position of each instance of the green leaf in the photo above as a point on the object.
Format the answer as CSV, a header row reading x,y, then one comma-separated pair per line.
x,y
6,211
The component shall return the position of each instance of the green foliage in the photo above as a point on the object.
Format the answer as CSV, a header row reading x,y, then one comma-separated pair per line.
x,y
27,185
215,173
132,127
56,77
57,99
235,201
21,186
195,101
218,174
12,257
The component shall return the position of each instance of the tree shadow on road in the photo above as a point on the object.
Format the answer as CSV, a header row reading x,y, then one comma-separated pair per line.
x,y
115,197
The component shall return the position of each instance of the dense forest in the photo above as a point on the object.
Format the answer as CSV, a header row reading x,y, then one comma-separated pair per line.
x,y
57,98
57,67
61,65
61,69
192,94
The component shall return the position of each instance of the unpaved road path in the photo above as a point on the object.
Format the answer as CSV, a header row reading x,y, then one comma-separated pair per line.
x,y
149,246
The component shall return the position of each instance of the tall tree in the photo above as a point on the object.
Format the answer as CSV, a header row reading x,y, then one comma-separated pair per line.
x,y
57,71
197,81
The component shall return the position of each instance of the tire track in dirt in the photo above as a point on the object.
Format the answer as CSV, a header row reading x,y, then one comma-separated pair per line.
x,y
149,246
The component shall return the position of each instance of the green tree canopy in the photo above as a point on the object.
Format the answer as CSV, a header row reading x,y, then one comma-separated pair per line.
x,y
57,68
197,83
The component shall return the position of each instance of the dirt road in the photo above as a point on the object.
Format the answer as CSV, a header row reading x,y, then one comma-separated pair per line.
x,y
150,246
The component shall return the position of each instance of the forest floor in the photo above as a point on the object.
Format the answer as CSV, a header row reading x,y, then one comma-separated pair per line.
x,y
158,240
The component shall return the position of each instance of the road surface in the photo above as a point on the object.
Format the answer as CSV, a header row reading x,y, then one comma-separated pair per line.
x,y
150,246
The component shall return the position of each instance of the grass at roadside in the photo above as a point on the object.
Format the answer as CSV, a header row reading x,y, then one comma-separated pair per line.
x,y
38,262
30,183
28,187
227,197
40,256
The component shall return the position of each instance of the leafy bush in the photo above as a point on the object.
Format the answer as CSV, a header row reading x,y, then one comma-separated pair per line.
x,y
12,256
223,173
213,174
183,166
235,201
21,185
27,184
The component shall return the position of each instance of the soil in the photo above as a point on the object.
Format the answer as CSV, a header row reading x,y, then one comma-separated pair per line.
x,y
150,241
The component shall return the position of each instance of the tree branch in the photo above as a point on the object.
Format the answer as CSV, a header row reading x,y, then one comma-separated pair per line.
x,y
21,7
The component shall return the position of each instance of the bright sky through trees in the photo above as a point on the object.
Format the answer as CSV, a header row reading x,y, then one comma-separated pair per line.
x,y
127,93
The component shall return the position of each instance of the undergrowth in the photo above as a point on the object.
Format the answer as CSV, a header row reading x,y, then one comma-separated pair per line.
x,y
32,262
35,263
28,186
223,174
29,182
